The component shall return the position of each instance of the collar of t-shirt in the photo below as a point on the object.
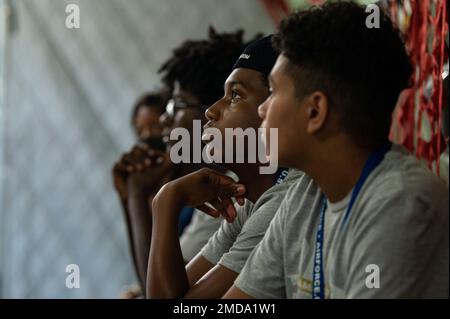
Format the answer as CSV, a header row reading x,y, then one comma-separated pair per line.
x,y
339,206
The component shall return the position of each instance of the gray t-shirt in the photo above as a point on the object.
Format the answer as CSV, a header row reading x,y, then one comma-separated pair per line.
x,y
197,233
396,235
231,245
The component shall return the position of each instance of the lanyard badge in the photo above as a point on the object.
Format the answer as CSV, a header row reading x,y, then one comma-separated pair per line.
x,y
372,162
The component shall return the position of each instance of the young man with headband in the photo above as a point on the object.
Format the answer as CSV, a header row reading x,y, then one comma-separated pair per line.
x,y
194,73
213,270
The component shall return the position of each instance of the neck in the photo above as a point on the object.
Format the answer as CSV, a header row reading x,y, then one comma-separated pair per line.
x,y
256,184
336,172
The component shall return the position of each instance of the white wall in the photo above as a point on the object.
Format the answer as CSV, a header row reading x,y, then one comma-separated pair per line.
x,y
66,116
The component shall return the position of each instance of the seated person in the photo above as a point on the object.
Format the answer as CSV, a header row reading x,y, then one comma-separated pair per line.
x,y
147,129
193,66
367,220
213,270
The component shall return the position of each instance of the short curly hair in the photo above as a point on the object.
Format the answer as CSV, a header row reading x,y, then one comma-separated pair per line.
x,y
361,70
156,100
202,66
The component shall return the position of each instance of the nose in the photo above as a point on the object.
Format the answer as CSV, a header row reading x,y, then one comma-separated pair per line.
x,y
262,110
212,113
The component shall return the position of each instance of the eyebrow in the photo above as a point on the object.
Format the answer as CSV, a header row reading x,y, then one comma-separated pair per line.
x,y
233,83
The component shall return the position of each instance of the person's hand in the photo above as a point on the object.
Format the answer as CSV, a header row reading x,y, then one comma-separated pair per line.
x,y
206,186
146,176
120,176
139,168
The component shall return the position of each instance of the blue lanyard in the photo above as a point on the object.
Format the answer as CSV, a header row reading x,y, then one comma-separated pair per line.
x,y
373,161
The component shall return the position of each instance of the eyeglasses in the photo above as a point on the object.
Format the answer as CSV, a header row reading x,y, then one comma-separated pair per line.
x,y
173,106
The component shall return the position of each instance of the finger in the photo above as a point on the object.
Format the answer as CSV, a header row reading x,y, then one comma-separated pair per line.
x,y
229,191
151,153
161,153
219,206
119,172
219,185
143,146
147,162
122,163
229,208
138,154
130,162
163,159
208,210
156,156
139,167
227,216
141,160
147,149
127,160
219,178
119,168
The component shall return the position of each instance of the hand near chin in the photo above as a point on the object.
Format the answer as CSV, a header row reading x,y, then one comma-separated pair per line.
x,y
203,187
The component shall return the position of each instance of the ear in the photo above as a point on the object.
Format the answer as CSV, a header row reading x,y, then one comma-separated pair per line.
x,y
316,111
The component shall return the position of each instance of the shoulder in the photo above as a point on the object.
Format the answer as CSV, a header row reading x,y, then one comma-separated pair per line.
x,y
271,199
299,205
401,174
301,194
402,188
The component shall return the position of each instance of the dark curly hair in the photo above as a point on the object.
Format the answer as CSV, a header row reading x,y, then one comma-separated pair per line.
x,y
157,100
361,70
202,66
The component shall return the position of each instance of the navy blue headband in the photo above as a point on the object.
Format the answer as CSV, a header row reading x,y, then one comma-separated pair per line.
x,y
259,56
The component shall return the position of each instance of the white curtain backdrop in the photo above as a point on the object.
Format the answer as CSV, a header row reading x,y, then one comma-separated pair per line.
x,y
65,120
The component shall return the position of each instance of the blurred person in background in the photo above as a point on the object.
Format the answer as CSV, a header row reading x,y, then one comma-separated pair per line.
x,y
145,117
148,131
194,74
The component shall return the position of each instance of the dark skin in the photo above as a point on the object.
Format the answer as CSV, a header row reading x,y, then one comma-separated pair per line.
x,y
168,277
131,170
140,173
316,139
147,123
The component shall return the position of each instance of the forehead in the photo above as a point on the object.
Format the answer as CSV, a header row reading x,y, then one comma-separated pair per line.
x,y
147,110
248,78
280,67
